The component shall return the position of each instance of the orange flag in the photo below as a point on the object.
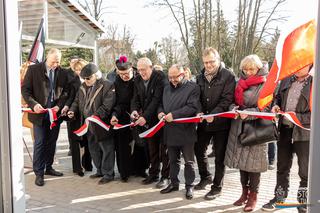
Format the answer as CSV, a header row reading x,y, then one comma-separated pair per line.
x,y
294,52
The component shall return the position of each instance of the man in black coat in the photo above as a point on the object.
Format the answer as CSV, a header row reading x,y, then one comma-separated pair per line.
x,y
180,99
217,86
148,89
127,153
97,97
45,86
293,95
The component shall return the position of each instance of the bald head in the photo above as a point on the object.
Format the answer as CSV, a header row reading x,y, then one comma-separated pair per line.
x,y
175,74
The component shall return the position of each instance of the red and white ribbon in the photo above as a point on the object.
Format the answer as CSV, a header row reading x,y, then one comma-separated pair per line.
x,y
291,116
120,126
52,115
150,132
95,119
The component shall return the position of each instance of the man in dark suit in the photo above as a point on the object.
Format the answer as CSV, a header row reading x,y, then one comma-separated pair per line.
x,y
217,86
180,99
148,89
45,86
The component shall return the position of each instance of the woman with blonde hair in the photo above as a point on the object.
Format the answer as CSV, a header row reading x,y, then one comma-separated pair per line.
x,y
74,80
250,160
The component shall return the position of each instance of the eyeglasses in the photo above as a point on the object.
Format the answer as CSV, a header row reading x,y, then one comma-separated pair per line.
x,y
174,77
210,62
125,73
88,78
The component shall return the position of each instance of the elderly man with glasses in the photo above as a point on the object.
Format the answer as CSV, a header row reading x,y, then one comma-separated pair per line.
x,y
97,97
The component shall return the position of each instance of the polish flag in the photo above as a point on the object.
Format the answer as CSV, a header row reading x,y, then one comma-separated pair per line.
x,y
295,50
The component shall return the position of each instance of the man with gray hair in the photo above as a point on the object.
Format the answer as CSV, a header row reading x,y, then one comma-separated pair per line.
x,y
45,86
180,99
147,95
96,96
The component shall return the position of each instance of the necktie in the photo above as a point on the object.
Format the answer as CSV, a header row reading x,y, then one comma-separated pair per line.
x,y
51,84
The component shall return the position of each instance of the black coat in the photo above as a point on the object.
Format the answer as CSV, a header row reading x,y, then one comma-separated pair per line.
x,y
35,89
124,94
146,102
103,99
74,85
303,107
182,101
216,97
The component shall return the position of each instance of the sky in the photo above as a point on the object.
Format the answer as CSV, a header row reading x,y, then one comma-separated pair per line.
x,y
149,24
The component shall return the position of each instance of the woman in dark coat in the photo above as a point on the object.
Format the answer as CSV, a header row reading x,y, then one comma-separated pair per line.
x,y
250,160
73,124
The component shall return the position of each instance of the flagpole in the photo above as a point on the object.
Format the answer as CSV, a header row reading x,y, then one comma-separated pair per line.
x,y
314,157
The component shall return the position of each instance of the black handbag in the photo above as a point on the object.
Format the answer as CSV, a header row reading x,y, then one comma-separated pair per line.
x,y
257,131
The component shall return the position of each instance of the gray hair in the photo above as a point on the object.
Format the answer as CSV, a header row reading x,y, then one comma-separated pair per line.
x,y
98,74
54,51
145,61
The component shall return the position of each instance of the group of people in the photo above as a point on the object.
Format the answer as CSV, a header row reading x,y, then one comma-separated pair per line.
x,y
144,95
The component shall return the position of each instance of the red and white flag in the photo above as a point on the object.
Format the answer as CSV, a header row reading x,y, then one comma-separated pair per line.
x,y
36,54
295,50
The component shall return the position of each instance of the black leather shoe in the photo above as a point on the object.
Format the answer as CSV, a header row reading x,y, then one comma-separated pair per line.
x,y
39,180
96,176
202,184
162,183
150,180
189,193
53,172
212,194
169,189
104,181
80,173
142,174
124,179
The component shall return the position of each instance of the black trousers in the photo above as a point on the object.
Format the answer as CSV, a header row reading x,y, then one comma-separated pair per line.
x,y
286,148
251,180
158,153
220,139
77,160
44,148
123,151
174,158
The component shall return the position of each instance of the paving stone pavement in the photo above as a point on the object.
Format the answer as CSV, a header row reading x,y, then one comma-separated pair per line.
x,y
72,193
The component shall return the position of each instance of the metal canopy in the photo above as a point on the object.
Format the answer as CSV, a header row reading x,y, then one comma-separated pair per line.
x,y
66,21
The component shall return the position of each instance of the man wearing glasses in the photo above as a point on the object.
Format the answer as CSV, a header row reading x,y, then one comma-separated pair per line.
x,y
217,86
180,99
97,97
148,89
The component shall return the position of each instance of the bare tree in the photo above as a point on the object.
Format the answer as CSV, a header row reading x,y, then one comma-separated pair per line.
x,y
115,42
94,7
254,21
